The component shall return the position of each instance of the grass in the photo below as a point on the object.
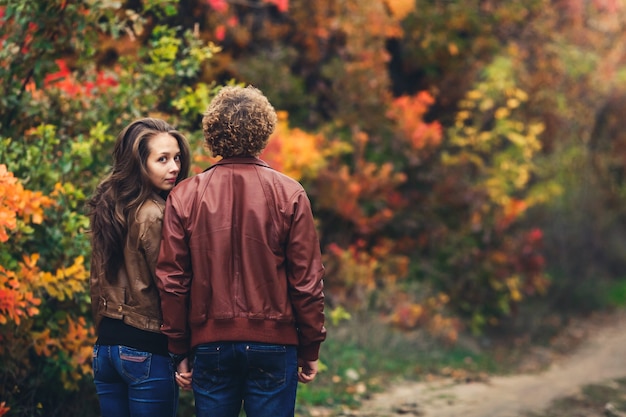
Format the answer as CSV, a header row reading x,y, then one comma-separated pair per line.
x,y
617,293
364,355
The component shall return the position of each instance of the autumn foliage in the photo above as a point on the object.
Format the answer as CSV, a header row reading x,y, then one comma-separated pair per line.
x,y
18,203
26,292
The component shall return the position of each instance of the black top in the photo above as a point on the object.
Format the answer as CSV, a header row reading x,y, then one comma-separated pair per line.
x,y
115,332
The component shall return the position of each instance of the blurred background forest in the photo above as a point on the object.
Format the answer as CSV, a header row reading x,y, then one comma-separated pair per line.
x,y
465,160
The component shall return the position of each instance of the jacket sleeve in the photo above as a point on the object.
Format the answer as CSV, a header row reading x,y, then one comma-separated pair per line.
x,y
150,240
305,275
173,273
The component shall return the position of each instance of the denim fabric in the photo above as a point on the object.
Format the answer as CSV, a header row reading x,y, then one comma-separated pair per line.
x,y
134,383
262,376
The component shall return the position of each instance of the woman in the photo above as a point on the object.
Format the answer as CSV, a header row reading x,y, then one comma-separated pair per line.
x,y
133,372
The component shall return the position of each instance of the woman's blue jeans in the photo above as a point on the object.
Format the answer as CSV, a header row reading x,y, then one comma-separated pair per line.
x,y
262,376
134,383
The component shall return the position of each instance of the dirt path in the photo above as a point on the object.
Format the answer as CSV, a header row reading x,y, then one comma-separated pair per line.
x,y
602,356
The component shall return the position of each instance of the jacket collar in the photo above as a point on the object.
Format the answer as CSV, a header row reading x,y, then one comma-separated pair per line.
x,y
240,160
157,197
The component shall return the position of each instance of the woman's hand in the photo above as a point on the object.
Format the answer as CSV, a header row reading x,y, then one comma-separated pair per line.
x,y
183,375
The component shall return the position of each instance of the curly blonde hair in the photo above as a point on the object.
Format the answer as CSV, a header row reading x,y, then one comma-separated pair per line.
x,y
238,122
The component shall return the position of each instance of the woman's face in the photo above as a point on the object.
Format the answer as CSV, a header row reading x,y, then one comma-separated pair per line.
x,y
163,163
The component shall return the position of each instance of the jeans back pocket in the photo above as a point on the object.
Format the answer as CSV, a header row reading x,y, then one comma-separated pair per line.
x,y
135,364
267,365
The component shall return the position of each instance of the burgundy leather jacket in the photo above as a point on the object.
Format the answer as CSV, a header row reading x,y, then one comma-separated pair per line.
x,y
240,260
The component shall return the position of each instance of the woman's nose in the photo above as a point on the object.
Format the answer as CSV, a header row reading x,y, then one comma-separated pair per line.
x,y
174,166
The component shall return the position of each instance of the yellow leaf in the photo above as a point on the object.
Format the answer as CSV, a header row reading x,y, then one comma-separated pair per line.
x,y
401,8
453,49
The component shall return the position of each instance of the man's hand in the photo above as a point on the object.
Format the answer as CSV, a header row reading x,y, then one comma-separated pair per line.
x,y
306,370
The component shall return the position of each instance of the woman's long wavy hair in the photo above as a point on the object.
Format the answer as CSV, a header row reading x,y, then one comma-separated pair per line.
x,y
125,188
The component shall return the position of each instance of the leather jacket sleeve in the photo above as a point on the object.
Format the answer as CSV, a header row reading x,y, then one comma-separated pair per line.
x,y
305,276
150,240
173,280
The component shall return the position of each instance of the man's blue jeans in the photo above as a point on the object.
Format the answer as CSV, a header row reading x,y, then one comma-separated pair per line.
x,y
134,383
262,376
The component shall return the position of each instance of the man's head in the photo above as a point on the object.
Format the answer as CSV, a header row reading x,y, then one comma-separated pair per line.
x,y
238,122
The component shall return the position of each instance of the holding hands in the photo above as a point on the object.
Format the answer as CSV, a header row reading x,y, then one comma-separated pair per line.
x,y
183,375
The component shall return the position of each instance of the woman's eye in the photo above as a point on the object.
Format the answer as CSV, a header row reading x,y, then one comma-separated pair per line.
x,y
161,159
177,158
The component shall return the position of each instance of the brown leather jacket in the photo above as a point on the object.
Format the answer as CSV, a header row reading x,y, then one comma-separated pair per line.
x,y
133,296
240,260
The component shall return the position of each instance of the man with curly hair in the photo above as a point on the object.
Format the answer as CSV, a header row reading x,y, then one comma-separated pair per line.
x,y
240,270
